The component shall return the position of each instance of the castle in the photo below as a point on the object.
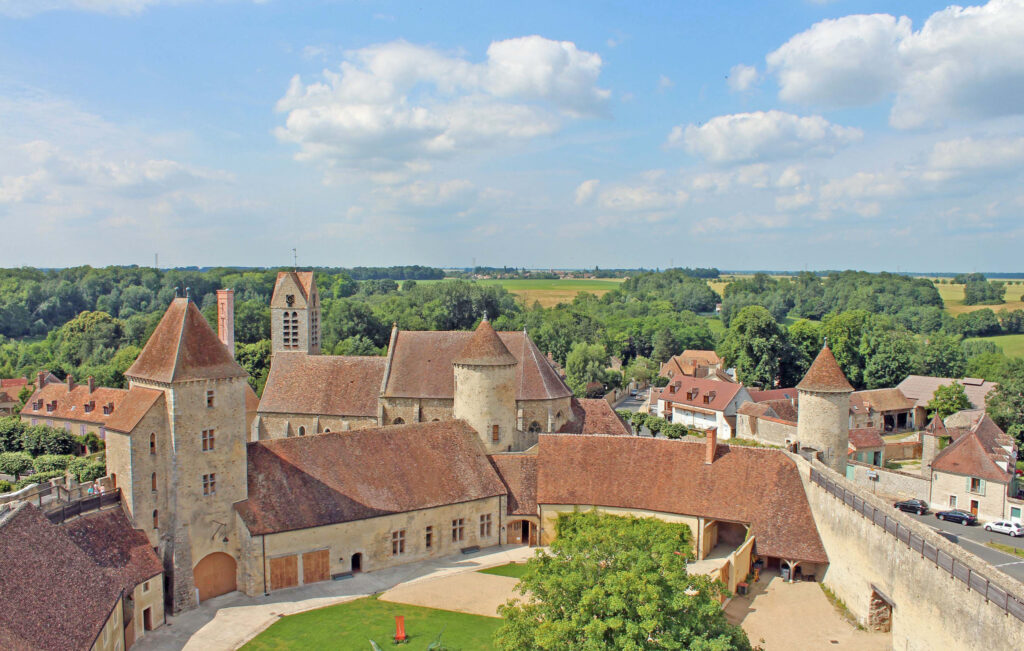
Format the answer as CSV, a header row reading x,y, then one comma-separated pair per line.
x,y
453,441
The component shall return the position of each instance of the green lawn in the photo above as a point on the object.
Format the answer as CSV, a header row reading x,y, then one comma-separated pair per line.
x,y
1012,345
351,625
515,570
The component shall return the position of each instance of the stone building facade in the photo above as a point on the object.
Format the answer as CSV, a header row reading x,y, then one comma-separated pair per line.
x,y
823,421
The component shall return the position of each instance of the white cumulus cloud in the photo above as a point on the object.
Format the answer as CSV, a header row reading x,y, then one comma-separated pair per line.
x,y
964,62
762,135
742,77
585,191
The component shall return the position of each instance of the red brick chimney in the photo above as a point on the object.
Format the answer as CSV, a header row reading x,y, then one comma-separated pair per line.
x,y
92,384
226,318
40,378
71,382
712,445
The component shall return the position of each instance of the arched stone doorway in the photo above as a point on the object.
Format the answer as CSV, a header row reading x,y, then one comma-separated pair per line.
x,y
214,575
357,562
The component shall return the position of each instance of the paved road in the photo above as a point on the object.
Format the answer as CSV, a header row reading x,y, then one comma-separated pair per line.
x,y
973,539
634,404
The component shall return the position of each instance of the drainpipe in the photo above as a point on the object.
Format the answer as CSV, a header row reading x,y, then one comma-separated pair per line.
x,y
263,539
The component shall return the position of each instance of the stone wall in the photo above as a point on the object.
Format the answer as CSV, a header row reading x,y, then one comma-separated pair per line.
x,y
932,609
415,410
773,431
276,426
148,594
823,424
889,483
485,397
991,498
372,539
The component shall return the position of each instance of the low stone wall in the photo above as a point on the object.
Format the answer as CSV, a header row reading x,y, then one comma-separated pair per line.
x,y
908,564
773,431
889,483
903,450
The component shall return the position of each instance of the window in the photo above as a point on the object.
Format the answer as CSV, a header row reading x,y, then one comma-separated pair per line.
x,y
152,482
485,525
458,530
208,440
534,428
952,501
977,486
145,586
398,542
495,436
302,430
152,443
156,519
398,421
209,399
428,537
210,484
81,430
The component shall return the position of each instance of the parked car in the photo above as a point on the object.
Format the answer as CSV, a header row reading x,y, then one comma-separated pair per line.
x,y
956,515
1011,529
633,393
919,507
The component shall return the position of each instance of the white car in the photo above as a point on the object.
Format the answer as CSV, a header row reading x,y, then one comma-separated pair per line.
x,y
1011,529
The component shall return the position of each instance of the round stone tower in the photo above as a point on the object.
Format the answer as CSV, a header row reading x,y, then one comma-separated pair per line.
x,y
485,388
823,419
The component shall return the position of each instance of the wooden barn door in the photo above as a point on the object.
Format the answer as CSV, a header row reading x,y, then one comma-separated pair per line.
x,y
316,566
284,572
215,575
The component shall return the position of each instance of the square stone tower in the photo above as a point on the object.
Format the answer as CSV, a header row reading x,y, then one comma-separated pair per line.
x,y
295,313
196,453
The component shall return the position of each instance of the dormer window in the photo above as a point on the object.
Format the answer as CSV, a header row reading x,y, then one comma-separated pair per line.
x,y
50,406
89,406
108,409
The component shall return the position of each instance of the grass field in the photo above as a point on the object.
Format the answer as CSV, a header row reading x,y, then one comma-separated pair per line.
x,y
953,298
353,624
550,292
1012,345
514,570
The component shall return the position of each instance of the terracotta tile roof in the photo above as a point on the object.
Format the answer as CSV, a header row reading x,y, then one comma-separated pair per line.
x,y
880,400
671,477
866,437
7,398
774,394
72,404
595,416
689,361
965,418
518,471
421,366
13,383
778,409
324,385
699,392
936,427
184,347
921,388
978,453
303,279
252,401
713,374
485,348
825,375
54,595
111,542
136,404
297,483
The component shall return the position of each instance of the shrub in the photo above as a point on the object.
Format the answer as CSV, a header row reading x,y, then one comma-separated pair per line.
x,y
15,463
38,478
5,486
11,430
92,471
92,442
41,439
51,462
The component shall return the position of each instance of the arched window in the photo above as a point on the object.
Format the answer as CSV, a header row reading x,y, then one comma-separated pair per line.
x,y
327,430
152,443
152,481
398,421
156,519
558,416
113,480
534,427
302,430
435,420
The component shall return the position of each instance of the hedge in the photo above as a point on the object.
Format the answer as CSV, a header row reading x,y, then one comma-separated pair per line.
x,y
15,463
37,478
51,462
5,486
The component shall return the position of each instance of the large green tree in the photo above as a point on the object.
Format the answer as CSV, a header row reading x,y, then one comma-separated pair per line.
x,y
948,399
759,348
1005,404
585,363
941,355
888,354
611,582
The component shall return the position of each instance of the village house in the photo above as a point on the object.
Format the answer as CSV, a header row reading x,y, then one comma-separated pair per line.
x,y
885,409
867,446
921,389
692,363
702,404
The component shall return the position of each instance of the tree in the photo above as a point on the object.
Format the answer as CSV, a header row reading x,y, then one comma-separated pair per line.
x,y
1005,404
585,363
844,332
11,431
641,369
806,338
941,355
611,582
665,346
40,439
758,347
15,463
948,399
888,354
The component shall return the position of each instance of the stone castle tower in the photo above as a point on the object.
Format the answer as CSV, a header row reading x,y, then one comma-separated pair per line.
x,y
190,464
295,313
485,389
823,419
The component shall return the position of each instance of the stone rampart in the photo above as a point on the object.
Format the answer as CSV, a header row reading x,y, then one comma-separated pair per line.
x,y
942,596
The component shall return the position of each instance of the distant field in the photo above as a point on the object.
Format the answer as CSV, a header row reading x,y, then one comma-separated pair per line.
x,y
1012,345
552,292
953,298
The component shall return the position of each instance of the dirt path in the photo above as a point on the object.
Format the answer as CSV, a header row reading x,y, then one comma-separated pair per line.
x,y
469,592
783,616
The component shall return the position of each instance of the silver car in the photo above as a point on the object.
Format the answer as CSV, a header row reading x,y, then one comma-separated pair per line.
x,y
1011,529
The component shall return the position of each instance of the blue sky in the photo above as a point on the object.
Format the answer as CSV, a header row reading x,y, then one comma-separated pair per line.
x,y
741,135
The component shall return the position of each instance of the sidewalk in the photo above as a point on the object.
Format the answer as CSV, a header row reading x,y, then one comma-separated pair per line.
x,y
229,621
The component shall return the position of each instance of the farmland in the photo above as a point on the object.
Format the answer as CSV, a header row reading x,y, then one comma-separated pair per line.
x,y
953,298
551,292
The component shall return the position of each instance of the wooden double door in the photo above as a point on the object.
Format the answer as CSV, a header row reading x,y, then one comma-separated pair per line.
x,y
284,570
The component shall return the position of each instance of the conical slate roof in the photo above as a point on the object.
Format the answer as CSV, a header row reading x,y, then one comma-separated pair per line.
x,y
184,347
825,375
485,348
